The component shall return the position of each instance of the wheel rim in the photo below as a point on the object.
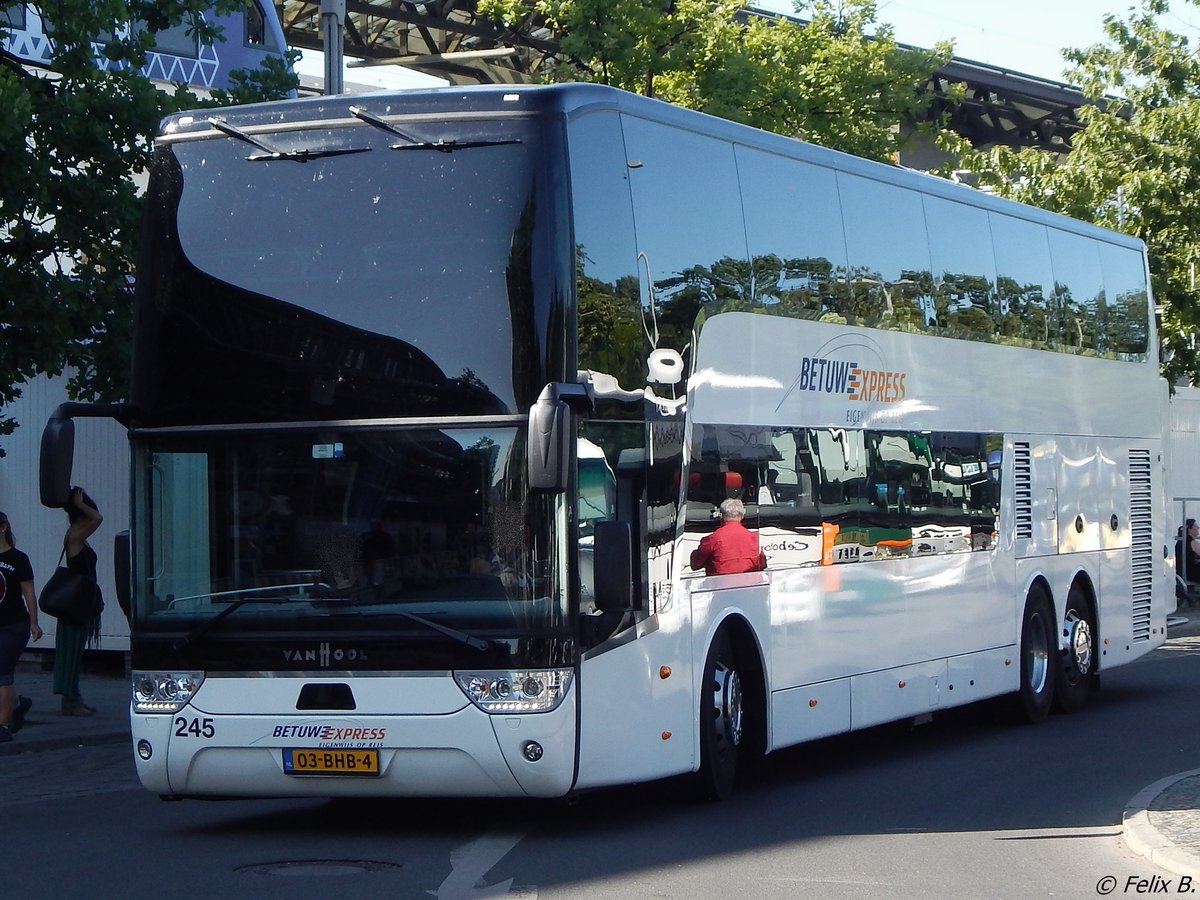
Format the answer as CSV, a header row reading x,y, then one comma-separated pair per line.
x,y
727,707
1079,645
1037,659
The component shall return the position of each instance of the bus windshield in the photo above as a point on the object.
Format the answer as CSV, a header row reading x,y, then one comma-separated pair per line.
x,y
326,288
369,531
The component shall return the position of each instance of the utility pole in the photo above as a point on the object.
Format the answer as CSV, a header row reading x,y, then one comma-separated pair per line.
x,y
333,16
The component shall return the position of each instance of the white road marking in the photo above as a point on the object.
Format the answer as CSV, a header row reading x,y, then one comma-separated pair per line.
x,y
470,862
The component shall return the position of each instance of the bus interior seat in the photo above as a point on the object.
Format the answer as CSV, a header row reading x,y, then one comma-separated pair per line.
x,y
733,485
832,492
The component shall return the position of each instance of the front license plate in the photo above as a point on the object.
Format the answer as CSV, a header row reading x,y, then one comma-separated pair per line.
x,y
330,762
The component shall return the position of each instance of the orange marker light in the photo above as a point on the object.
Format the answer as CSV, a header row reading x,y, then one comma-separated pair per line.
x,y
666,735
664,672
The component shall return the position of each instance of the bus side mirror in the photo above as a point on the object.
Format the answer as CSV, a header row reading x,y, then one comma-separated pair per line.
x,y
58,447
122,564
549,458
552,435
55,461
612,588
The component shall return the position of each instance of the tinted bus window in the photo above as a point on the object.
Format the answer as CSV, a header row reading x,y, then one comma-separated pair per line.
x,y
609,312
888,250
1078,299
688,211
794,230
1128,302
1024,281
964,269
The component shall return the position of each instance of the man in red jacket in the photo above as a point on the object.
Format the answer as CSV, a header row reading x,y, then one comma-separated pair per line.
x,y
732,548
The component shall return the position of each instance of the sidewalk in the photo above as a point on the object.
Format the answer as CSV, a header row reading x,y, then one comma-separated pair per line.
x,y
1162,823
46,728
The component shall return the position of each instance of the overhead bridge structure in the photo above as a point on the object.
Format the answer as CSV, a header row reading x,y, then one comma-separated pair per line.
x,y
449,39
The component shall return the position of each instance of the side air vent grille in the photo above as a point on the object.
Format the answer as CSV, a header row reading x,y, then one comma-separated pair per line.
x,y
1022,491
1141,524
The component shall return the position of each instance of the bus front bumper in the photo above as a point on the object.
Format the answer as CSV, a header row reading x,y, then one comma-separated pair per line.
x,y
462,753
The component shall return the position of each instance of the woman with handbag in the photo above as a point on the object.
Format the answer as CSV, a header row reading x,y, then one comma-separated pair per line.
x,y
83,517
18,621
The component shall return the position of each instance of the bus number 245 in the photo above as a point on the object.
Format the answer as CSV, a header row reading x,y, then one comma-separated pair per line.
x,y
185,727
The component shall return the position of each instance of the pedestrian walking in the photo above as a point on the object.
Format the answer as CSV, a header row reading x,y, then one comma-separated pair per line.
x,y
18,622
83,517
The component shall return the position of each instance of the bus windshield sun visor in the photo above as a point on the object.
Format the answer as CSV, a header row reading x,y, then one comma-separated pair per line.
x,y
303,154
442,146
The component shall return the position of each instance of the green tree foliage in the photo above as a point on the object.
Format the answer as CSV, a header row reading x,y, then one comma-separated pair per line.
x,y
76,142
835,78
1136,166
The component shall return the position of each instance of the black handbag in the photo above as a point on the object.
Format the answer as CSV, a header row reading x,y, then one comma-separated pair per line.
x,y
69,596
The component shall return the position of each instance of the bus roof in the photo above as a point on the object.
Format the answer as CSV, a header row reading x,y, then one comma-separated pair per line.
x,y
574,100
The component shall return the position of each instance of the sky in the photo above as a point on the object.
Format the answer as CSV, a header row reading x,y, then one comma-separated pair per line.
x,y
1024,36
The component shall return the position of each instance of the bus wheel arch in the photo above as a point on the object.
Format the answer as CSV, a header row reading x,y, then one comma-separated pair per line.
x,y
1038,655
732,710
1077,639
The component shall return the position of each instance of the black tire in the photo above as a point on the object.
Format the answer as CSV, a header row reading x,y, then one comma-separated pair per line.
x,y
1078,660
721,721
1039,657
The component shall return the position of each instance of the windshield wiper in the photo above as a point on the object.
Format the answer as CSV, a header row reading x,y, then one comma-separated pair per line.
x,y
461,636
269,152
253,595
442,146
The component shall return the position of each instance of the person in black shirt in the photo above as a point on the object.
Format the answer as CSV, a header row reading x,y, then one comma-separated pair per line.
x,y
18,621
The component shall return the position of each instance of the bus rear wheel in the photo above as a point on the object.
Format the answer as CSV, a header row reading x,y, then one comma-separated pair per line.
x,y
721,721
1079,654
1039,657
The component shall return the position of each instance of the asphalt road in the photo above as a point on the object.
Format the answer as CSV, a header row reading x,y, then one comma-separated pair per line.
x,y
967,806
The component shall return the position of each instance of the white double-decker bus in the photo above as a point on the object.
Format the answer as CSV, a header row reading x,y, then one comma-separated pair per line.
x,y
434,393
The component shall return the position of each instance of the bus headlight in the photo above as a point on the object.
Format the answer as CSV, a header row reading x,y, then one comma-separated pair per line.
x,y
164,692
530,691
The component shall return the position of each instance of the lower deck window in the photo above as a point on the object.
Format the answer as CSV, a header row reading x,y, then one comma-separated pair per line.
x,y
823,496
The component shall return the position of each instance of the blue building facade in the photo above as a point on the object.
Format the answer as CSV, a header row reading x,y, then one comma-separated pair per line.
x,y
250,36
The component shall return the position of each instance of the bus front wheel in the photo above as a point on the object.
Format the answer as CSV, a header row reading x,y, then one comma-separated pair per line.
x,y
1039,657
721,720
1078,655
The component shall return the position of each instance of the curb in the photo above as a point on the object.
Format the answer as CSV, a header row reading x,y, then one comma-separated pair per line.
x,y
1144,838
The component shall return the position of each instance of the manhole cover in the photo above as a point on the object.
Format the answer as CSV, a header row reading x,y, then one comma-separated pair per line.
x,y
310,867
